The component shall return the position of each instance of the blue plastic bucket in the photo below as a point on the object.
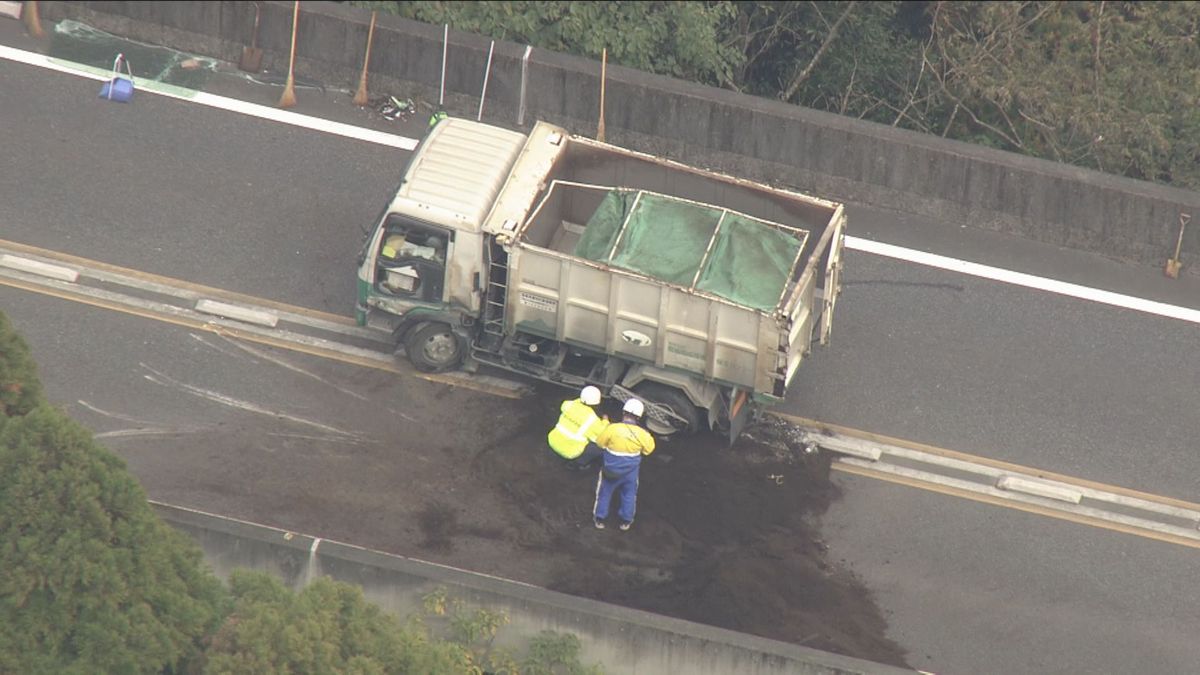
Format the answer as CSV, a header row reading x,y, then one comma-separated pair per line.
x,y
119,87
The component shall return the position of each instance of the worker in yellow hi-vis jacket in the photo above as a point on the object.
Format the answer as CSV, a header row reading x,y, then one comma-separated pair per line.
x,y
574,436
624,443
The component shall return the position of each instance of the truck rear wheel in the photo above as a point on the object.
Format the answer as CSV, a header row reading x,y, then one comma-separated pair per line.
x,y
433,348
681,415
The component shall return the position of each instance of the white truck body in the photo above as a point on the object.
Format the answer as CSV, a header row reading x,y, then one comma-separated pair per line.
x,y
505,214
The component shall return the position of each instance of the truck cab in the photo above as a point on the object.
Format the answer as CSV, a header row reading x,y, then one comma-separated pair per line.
x,y
420,270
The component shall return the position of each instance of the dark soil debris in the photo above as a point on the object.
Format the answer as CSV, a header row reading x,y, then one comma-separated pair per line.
x,y
723,536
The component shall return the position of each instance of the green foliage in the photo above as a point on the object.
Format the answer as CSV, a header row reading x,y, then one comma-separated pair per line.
x,y
20,389
327,628
1111,86
672,38
330,628
553,653
92,580
548,653
779,39
474,630
1106,85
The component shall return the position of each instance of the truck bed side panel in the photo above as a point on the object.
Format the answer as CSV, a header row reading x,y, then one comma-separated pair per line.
x,y
569,299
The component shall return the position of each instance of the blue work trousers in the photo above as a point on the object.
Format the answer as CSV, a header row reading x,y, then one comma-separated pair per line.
x,y
625,487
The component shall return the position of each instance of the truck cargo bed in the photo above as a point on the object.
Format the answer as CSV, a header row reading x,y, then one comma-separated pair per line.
x,y
669,290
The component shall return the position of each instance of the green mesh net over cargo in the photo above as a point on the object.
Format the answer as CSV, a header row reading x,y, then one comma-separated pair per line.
x,y
667,239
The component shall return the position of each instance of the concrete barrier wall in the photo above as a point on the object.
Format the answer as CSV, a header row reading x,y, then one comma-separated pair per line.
x,y
621,640
815,152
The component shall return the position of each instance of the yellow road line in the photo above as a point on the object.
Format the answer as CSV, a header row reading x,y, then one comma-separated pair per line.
x,y
330,354
176,283
1018,506
997,464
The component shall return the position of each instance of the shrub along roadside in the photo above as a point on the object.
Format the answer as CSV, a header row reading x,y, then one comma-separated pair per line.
x,y
93,581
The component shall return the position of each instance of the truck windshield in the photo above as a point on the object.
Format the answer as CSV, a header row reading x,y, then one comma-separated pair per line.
x,y
411,260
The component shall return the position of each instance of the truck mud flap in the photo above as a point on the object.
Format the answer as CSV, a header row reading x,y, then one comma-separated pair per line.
x,y
741,410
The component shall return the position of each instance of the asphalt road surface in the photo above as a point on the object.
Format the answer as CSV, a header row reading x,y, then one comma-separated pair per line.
x,y
977,366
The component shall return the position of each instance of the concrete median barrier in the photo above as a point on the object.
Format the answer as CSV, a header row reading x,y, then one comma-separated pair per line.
x,y
622,640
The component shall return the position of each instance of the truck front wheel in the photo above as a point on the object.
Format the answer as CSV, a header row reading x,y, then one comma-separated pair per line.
x,y
433,348
669,411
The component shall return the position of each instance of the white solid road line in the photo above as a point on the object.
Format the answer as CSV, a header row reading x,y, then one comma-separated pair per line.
x,y
214,101
404,143
1022,279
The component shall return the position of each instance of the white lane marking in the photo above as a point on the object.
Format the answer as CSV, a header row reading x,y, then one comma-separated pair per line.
x,y
404,143
132,433
1027,280
324,439
214,101
144,428
118,416
165,380
285,364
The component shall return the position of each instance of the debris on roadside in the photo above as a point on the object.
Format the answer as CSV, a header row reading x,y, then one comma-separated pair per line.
x,y
392,107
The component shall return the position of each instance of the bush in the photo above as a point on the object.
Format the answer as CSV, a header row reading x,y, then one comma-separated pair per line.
x,y
93,581
20,389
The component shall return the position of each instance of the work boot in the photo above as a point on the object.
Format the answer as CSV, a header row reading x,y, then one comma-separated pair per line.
x,y
599,523
625,526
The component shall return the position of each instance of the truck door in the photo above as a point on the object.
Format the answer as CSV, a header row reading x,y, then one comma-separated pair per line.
x,y
410,264
833,273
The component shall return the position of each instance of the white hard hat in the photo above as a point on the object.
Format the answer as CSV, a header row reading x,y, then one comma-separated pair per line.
x,y
590,395
635,407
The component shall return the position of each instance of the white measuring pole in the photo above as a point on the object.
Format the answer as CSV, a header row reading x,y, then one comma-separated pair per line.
x,y
445,49
487,71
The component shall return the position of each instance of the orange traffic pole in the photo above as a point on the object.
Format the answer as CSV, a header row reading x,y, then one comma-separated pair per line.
x,y
29,12
360,97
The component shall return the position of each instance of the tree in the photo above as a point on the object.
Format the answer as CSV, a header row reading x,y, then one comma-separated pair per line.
x,y
328,627
92,580
20,389
670,38
850,58
1107,85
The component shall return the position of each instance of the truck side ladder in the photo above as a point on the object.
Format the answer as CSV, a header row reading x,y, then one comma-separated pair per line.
x,y
495,297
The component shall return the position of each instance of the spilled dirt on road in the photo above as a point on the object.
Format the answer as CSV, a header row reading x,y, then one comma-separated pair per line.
x,y
723,536
726,537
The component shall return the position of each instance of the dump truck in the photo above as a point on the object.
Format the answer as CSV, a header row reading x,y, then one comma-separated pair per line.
x,y
576,262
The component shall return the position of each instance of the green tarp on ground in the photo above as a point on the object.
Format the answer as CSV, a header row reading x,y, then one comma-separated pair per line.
x,y
667,239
